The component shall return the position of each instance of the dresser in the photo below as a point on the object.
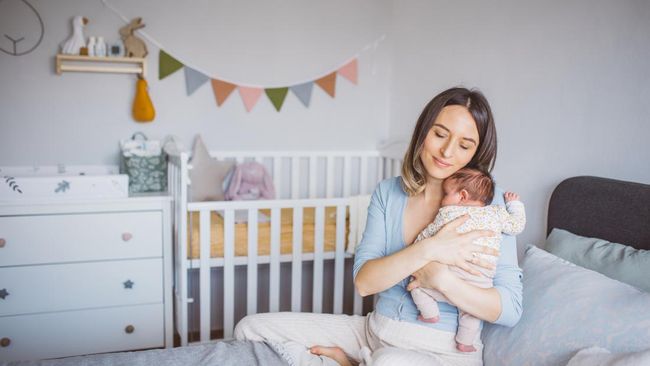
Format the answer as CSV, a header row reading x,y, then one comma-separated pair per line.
x,y
85,276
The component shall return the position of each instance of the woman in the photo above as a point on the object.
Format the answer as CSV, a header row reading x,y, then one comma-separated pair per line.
x,y
456,129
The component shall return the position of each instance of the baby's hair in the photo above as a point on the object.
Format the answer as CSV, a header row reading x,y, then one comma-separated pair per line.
x,y
477,183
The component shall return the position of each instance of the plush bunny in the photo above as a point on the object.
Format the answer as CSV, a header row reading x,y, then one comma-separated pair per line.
x,y
135,47
250,181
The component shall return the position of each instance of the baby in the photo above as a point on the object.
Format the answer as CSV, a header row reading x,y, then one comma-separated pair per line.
x,y
470,191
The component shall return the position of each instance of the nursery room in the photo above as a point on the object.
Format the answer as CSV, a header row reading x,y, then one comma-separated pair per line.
x,y
282,182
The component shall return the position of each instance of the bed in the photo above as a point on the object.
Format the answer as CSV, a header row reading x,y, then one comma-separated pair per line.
x,y
585,297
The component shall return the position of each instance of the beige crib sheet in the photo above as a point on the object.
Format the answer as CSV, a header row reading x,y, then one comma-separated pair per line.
x,y
264,233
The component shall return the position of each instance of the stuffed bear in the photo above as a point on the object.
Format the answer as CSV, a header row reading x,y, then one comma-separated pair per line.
x,y
250,181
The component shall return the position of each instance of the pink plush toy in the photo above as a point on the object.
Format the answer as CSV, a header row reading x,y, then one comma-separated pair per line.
x,y
250,181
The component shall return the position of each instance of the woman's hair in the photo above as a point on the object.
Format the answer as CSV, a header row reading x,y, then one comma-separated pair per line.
x,y
413,172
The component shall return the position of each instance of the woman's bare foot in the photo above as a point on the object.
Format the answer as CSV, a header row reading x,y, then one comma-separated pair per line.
x,y
335,353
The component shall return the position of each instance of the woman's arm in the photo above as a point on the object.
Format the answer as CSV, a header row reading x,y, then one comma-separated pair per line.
x,y
374,271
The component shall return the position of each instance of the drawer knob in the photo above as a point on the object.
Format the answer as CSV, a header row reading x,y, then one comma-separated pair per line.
x,y
2,243
4,293
5,342
128,284
129,329
127,236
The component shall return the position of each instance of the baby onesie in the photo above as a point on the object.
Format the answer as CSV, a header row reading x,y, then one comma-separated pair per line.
x,y
509,220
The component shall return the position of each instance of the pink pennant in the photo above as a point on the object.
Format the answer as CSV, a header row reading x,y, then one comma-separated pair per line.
x,y
250,96
349,71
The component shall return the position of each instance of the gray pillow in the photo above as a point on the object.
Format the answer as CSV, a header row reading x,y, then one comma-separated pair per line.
x,y
596,356
567,308
207,174
617,261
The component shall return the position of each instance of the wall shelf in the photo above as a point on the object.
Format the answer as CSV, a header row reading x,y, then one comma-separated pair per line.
x,y
119,65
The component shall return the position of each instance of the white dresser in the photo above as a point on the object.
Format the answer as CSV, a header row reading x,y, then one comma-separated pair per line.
x,y
85,276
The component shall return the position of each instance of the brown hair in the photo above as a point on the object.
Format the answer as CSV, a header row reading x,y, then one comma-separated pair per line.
x,y
413,172
478,184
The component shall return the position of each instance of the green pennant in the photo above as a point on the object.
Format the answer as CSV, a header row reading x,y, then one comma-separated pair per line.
x,y
167,65
277,96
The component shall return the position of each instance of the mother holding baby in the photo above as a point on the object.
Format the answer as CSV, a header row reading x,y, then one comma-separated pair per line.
x,y
454,131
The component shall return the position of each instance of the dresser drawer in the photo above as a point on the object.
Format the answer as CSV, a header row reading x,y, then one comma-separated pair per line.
x,y
79,237
57,287
81,332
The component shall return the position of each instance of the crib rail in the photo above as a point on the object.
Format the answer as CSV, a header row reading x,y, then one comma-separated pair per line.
x,y
303,180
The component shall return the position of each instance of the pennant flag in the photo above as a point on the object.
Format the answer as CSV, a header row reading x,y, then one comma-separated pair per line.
x,y
328,83
194,79
303,92
167,65
349,71
250,96
277,96
222,90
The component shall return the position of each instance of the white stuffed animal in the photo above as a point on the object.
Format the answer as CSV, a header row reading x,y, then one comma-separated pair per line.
x,y
77,40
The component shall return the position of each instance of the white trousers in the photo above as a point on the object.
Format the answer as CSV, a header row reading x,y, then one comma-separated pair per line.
x,y
370,340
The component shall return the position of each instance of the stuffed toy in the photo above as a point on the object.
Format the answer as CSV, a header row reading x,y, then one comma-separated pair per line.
x,y
135,47
73,45
250,181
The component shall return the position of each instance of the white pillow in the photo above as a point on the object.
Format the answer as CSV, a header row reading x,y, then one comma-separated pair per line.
x,y
207,174
567,308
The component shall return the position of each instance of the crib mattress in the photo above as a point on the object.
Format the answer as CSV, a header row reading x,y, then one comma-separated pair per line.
x,y
264,233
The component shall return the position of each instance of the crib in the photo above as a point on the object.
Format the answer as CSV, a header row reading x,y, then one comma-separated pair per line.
x,y
293,253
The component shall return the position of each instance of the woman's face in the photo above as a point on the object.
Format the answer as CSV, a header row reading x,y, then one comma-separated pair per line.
x,y
450,143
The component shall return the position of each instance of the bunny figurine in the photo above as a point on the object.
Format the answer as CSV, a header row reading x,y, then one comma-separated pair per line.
x,y
135,47
250,181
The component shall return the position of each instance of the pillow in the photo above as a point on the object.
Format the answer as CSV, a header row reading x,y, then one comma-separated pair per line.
x,y
567,308
617,261
207,174
596,356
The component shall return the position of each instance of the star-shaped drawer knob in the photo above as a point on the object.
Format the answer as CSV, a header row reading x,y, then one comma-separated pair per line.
x,y
128,284
4,293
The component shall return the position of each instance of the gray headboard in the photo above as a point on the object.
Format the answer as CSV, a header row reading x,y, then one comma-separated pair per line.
x,y
603,208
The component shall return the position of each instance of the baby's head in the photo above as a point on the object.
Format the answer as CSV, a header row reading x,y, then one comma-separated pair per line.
x,y
468,187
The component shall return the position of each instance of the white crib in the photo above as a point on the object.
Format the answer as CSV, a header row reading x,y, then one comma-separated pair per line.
x,y
305,182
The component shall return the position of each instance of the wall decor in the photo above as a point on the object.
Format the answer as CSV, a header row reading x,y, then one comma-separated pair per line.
x,y
21,34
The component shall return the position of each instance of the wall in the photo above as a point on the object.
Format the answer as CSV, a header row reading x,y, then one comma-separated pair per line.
x,y
79,118
568,83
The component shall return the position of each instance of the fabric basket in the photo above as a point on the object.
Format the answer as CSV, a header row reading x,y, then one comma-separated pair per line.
x,y
147,172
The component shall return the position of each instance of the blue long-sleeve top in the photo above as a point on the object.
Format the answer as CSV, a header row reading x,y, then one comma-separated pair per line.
x,y
383,236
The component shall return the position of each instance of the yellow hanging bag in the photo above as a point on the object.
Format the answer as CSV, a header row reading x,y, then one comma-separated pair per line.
x,y
143,110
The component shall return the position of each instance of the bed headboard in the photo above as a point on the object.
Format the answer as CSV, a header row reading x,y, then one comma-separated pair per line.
x,y
603,208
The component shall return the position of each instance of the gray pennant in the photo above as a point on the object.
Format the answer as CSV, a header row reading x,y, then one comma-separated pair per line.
x,y
194,80
303,92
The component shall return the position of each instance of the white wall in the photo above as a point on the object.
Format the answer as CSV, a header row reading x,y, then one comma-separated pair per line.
x,y
568,82
79,118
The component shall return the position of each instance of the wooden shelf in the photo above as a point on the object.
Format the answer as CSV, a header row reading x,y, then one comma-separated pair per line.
x,y
119,65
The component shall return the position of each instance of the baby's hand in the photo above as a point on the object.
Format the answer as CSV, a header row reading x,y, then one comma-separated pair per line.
x,y
511,196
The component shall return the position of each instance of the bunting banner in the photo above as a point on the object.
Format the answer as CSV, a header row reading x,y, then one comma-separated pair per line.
x,y
250,95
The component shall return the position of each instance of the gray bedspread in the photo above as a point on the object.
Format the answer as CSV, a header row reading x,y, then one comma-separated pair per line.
x,y
239,353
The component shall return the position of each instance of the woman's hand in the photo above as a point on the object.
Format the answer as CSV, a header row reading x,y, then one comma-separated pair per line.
x,y
432,276
457,249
